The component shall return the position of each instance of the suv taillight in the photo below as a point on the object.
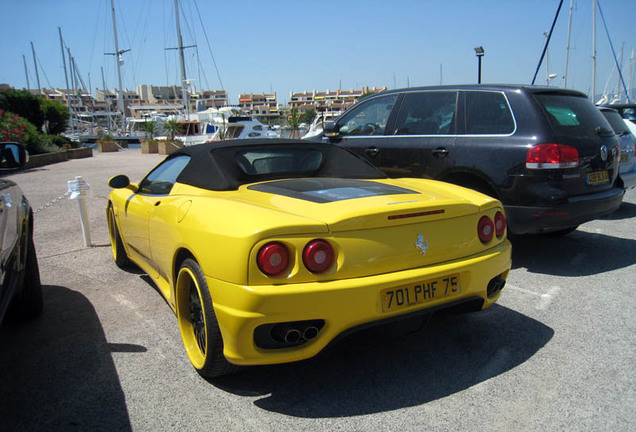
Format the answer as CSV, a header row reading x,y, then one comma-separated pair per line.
x,y
551,156
273,258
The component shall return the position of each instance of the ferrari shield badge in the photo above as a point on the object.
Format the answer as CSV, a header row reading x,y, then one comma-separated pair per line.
x,y
421,244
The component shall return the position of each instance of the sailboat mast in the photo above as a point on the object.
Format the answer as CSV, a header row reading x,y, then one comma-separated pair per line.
x,y
184,90
632,62
594,52
26,72
106,99
35,62
120,99
68,99
567,48
72,92
620,68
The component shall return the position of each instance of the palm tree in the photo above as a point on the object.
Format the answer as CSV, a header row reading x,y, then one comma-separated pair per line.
x,y
222,133
150,127
172,127
293,121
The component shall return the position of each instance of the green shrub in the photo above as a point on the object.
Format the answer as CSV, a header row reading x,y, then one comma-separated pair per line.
x,y
24,104
12,127
60,141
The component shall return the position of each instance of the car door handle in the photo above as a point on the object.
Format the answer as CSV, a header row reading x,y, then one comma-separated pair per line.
x,y
440,152
158,203
372,151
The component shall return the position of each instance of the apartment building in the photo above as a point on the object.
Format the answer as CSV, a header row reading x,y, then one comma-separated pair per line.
x,y
329,100
262,105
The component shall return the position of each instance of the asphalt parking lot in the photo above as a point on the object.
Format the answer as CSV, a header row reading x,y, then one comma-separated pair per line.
x,y
558,352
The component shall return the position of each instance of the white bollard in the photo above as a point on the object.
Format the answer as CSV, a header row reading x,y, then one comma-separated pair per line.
x,y
79,190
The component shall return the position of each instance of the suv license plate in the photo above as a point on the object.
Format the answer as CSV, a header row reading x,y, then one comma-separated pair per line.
x,y
597,177
393,299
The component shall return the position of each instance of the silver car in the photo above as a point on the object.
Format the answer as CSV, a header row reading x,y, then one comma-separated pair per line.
x,y
20,290
627,167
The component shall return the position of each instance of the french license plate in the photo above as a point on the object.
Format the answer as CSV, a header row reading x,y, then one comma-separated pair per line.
x,y
422,292
597,177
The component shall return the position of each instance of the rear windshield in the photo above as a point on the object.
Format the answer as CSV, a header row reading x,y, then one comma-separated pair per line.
x,y
572,115
617,122
278,161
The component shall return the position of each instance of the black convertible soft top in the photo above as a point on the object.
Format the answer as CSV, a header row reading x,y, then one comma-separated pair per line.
x,y
226,165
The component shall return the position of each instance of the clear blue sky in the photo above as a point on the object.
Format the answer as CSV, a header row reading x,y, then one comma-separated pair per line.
x,y
283,46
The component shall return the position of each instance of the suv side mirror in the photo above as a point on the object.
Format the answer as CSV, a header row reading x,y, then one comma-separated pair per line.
x,y
331,129
12,156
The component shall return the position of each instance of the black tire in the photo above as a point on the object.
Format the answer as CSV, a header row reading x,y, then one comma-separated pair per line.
x,y
197,322
116,245
474,184
28,302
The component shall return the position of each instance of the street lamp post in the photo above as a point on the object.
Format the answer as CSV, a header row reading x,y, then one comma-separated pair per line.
x,y
479,52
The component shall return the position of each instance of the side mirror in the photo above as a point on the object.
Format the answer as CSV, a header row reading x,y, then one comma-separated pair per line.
x,y
119,182
331,129
12,155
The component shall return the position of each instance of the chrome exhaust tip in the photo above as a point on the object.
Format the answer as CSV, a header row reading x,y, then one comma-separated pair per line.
x,y
310,332
292,335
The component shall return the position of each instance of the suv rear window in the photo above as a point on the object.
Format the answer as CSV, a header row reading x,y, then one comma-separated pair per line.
x,y
571,115
488,113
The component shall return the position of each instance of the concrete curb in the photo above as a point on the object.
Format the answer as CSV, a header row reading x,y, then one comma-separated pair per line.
x,y
61,156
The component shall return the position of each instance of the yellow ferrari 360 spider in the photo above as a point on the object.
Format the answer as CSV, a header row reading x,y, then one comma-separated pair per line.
x,y
267,250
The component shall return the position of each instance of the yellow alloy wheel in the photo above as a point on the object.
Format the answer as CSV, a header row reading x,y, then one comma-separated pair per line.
x,y
116,243
197,322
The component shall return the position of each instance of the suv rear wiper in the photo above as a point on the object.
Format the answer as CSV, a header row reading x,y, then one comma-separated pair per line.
x,y
600,130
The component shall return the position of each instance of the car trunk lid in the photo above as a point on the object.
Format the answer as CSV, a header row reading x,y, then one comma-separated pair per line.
x,y
388,225
576,122
349,204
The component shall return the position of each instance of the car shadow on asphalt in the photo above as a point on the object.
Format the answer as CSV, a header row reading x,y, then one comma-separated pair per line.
x,y
382,369
57,371
625,211
579,253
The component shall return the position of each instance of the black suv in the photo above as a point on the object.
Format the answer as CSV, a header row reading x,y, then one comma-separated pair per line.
x,y
20,289
548,154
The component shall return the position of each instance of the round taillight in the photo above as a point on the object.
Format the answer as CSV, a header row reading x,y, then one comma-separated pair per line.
x,y
485,229
318,256
500,224
273,259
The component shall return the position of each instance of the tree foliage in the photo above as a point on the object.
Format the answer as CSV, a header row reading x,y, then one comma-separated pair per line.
x,y
172,127
308,116
23,115
293,121
15,128
24,104
150,127
55,116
